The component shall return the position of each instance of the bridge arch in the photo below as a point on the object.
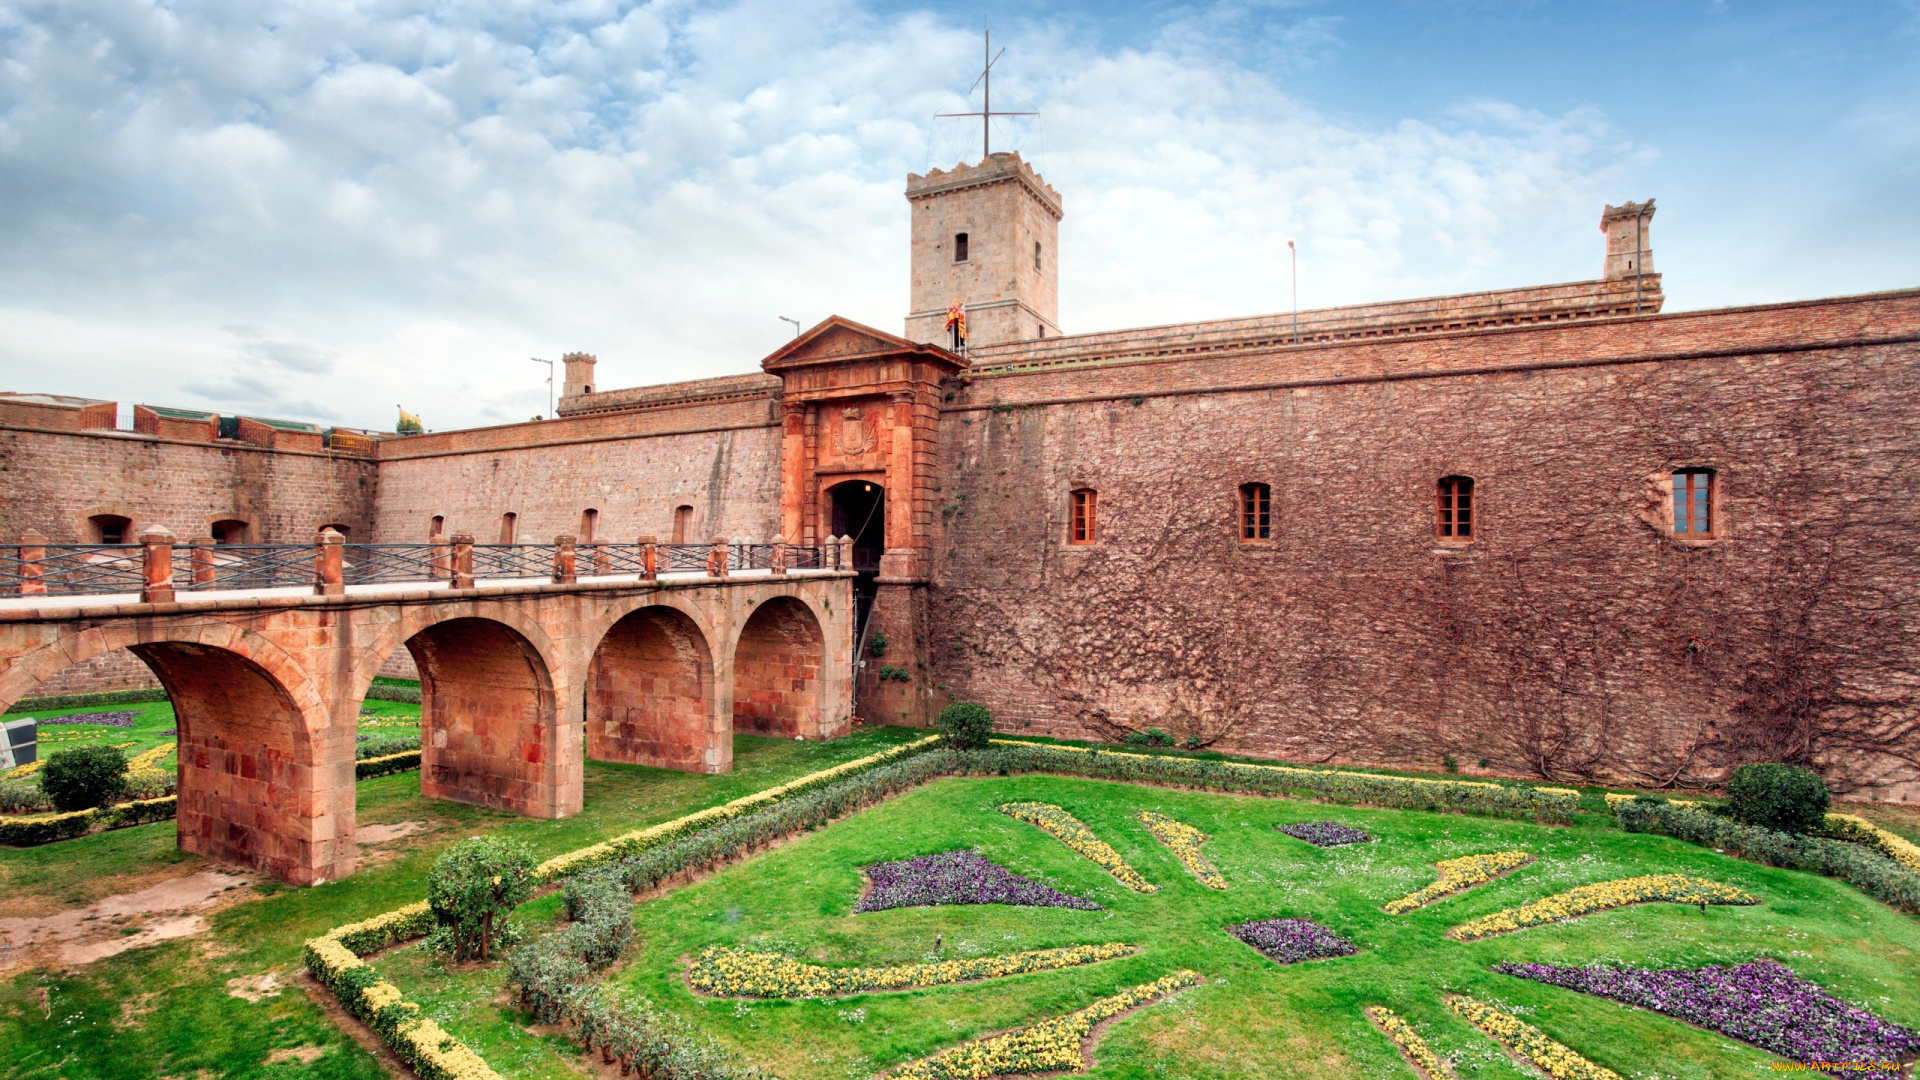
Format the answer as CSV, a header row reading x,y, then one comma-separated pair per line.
x,y
489,724
778,659
264,780
650,693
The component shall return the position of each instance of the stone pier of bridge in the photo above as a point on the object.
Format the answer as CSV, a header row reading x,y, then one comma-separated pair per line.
x,y
520,683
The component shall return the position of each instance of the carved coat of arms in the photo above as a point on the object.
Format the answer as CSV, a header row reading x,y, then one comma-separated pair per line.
x,y
856,434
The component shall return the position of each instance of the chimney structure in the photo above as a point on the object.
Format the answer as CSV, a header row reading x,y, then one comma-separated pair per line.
x,y
987,236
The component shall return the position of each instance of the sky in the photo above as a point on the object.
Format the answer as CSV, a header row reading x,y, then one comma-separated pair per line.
x,y
324,210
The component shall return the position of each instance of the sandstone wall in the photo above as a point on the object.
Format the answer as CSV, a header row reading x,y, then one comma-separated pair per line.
x,y
1574,636
53,481
633,468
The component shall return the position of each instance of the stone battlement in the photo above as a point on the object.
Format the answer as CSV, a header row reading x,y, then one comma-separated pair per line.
x,y
995,169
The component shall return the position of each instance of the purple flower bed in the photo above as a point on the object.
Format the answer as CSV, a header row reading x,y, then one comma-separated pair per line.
x,y
957,877
1326,833
1762,1003
1289,941
109,719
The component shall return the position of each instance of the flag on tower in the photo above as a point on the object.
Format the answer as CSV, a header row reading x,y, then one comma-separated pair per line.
x,y
957,323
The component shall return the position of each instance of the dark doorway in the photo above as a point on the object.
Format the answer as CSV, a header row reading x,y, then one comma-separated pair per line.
x,y
860,511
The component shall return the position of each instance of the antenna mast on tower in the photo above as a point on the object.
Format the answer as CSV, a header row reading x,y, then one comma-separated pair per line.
x,y
985,81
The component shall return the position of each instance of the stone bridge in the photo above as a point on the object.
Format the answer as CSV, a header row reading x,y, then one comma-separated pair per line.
x,y
520,681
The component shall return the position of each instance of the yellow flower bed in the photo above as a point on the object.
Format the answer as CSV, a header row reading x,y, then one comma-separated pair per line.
x,y
1552,1058
21,771
1614,799
727,972
1459,875
1049,1046
1068,829
1185,840
1410,1043
1861,831
654,835
1672,888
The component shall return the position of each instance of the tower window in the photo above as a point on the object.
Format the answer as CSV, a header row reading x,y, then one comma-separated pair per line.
x,y
1081,529
509,525
1036,254
1256,512
959,247
1454,518
1693,502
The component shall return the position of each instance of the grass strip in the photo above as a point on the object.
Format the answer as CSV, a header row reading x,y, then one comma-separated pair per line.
x,y
1603,896
729,972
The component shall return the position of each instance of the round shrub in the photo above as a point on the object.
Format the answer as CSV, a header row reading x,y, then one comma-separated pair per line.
x,y
966,725
84,777
473,888
1784,797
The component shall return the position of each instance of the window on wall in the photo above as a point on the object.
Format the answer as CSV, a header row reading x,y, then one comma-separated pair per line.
x,y
1036,254
228,532
438,526
110,529
509,525
343,530
959,247
589,521
1082,528
1256,512
683,524
1454,522
1693,502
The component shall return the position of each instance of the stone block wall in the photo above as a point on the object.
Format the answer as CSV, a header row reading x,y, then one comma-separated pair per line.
x,y
1574,636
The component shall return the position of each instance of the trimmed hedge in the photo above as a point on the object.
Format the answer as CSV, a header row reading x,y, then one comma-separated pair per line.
x,y
409,694
1862,867
80,701
30,832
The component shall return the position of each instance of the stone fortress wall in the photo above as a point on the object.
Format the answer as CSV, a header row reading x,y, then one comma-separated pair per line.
x,y
1575,635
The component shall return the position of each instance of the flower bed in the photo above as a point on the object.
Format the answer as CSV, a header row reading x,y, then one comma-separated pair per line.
x,y
1326,833
1068,829
32,831
1049,1046
387,764
726,972
1418,1053
1762,1003
1529,1042
1856,830
1185,840
109,719
1290,941
1856,864
1459,875
1604,896
957,877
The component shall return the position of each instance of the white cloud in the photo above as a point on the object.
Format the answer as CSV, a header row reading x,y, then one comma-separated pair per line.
x,y
398,201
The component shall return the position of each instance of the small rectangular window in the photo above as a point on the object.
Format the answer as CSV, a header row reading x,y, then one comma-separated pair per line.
x,y
1082,529
589,521
1036,254
1256,512
959,247
1693,502
1455,519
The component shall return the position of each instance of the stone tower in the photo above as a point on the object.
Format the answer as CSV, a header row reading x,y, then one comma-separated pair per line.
x,y
985,235
1629,229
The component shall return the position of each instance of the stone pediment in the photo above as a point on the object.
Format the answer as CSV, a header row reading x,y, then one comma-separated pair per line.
x,y
837,341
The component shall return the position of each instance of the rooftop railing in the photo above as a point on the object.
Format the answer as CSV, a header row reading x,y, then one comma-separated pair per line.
x,y
159,567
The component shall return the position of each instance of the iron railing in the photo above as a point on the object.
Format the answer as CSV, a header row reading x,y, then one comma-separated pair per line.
x,y
39,568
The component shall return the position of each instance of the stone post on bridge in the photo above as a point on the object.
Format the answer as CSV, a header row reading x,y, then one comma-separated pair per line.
x,y
33,563
564,556
649,558
329,564
201,565
717,558
463,560
778,561
156,583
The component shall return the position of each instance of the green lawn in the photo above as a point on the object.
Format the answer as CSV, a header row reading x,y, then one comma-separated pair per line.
x,y
165,1011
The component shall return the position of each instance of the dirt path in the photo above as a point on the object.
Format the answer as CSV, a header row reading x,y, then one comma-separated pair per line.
x,y
174,908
